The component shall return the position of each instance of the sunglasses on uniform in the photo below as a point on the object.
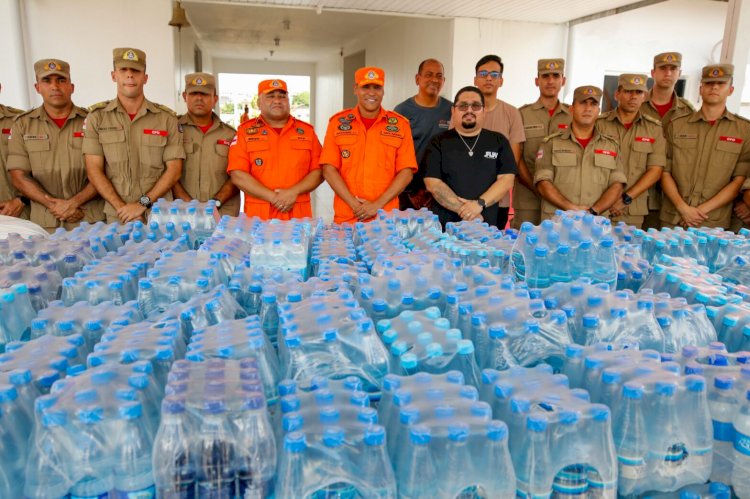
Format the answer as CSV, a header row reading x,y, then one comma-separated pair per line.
x,y
465,106
492,74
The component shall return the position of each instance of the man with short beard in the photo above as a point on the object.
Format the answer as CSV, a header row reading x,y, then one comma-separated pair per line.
x,y
642,147
708,157
45,161
468,169
206,140
579,168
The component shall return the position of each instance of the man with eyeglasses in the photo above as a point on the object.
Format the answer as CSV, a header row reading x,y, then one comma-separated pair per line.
x,y
428,114
642,147
579,168
499,116
545,116
468,169
368,153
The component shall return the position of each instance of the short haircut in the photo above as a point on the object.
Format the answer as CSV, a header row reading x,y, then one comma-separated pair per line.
x,y
489,58
421,65
469,88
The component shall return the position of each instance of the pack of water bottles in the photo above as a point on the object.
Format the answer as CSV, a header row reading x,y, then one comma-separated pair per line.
x,y
442,440
632,269
661,420
82,318
572,245
37,250
238,340
425,342
93,435
331,336
215,438
331,443
202,218
561,443
410,222
732,324
16,313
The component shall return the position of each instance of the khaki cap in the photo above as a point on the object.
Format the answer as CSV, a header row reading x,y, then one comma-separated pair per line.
x,y
129,58
717,72
204,83
633,82
549,66
47,67
587,92
668,59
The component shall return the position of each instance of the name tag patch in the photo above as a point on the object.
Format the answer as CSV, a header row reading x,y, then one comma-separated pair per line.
x,y
562,126
735,140
160,133
6,131
36,137
605,152
223,142
649,140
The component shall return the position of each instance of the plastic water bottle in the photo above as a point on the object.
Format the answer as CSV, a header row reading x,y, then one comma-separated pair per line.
x,y
723,405
132,462
93,463
256,449
216,453
47,464
629,432
174,473
741,469
292,466
416,474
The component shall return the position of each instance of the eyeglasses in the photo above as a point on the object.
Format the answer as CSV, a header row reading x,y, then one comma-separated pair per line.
x,y
464,106
493,74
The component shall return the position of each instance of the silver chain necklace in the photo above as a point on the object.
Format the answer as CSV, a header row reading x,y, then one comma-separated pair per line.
x,y
471,149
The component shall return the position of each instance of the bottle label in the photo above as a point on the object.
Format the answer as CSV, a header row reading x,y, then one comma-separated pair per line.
x,y
723,431
741,443
147,493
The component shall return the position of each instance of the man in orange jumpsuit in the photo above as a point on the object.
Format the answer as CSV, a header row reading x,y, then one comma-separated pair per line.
x,y
274,158
368,154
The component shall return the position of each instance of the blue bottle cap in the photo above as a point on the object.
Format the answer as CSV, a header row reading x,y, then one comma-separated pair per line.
x,y
445,411
402,397
54,418
481,410
455,377
536,423
374,435
333,436
519,405
19,377
465,347
458,431
329,415
409,360
409,415
610,377
295,442
292,422
723,382
666,388
420,435
599,412
130,410
573,351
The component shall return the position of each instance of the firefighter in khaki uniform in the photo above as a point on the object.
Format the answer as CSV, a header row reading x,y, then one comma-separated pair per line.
x,y
11,202
642,148
206,139
579,168
663,103
708,157
368,155
273,158
133,147
45,161
542,118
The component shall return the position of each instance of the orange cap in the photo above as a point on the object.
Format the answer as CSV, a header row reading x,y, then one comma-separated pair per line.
x,y
369,75
270,85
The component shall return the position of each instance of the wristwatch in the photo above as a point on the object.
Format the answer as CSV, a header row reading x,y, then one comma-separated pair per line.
x,y
218,203
482,203
626,199
145,201
593,212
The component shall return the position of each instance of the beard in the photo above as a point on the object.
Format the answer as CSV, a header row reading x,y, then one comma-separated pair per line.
x,y
471,125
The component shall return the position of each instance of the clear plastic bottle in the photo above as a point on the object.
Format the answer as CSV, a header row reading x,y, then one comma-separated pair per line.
x,y
132,450
723,405
173,462
256,450
629,432
216,451
93,463
47,467
417,475
741,469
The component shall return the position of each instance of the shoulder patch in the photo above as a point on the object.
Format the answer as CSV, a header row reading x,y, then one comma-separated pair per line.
x,y
394,114
13,110
550,137
99,105
651,119
608,137
167,109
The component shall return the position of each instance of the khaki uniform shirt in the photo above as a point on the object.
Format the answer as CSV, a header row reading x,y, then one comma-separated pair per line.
x,y
703,158
135,152
640,147
7,115
505,119
581,175
537,124
53,157
205,167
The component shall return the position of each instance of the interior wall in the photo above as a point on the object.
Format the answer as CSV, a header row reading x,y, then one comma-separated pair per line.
x,y
519,45
185,41
627,42
84,33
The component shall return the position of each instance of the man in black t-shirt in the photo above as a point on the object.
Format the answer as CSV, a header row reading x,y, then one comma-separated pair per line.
x,y
468,169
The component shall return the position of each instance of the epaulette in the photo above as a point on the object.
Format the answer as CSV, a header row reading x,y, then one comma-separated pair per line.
x,y
23,113
99,105
604,116
166,109
740,117
551,136
394,114
650,118
608,137
525,106
14,110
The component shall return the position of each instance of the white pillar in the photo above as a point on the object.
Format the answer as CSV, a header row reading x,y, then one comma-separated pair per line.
x,y
14,74
736,46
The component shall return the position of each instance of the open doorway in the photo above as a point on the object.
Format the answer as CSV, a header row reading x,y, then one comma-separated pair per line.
x,y
239,92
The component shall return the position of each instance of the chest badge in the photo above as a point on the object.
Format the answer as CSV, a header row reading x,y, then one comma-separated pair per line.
x,y
345,153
